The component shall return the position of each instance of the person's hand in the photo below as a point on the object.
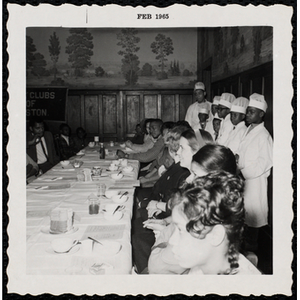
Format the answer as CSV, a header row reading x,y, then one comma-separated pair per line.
x,y
237,157
157,225
153,212
120,154
152,204
35,139
128,144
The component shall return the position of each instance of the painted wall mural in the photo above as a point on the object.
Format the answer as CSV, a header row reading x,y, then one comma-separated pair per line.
x,y
111,58
235,49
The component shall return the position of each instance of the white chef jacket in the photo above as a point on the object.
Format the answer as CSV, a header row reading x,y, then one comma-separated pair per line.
x,y
192,113
235,137
225,130
255,162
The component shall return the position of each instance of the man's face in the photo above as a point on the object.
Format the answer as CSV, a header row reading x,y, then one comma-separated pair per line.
x,y
216,125
38,129
236,117
138,129
223,111
65,131
199,95
214,109
254,115
81,134
155,130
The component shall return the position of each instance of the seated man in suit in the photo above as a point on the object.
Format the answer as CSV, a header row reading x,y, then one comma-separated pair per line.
x,y
65,142
40,145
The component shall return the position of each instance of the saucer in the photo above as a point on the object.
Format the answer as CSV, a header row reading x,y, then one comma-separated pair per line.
x,y
46,230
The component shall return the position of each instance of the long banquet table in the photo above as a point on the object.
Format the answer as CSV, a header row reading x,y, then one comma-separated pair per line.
x,y
59,188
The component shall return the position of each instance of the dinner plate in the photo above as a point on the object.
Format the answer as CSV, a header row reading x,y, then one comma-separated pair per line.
x,y
108,248
72,251
46,230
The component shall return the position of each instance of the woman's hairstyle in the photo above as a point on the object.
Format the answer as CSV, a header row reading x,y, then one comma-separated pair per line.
x,y
174,136
216,158
211,200
167,125
190,136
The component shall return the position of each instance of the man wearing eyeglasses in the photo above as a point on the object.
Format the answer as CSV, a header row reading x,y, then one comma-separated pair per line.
x,y
224,113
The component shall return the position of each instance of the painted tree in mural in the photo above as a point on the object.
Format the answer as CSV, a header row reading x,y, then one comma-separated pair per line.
x,y
128,40
146,70
234,39
35,61
30,49
38,65
54,50
162,46
257,42
80,45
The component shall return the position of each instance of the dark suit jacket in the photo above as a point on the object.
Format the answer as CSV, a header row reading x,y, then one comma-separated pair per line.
x,y
66,151
167,184
52,156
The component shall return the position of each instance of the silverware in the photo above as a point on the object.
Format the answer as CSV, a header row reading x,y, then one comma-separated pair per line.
x,y
95,240
116,209
124,194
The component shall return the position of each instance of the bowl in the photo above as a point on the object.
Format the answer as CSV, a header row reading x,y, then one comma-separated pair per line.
x,y
128,169
113,217
64,163
62,245
77,163
116,176
91,144
111,193
118,199
122,145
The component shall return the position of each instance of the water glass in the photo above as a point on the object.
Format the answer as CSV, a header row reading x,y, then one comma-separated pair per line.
x,y
101,190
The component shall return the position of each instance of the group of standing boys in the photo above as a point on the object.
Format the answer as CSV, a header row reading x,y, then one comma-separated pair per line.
x,y
238,123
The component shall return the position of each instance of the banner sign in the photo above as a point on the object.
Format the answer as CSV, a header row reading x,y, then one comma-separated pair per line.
x,y
47,103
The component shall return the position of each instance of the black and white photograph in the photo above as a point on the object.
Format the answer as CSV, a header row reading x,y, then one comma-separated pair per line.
x,y
148,148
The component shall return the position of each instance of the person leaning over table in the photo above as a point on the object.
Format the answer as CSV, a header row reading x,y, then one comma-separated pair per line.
x,y
209,217
156,203
151,154
210,158
40,145
148,141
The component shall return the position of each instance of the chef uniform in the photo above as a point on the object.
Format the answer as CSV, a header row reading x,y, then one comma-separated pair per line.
x,y
255,162
192,113
239,105
226,125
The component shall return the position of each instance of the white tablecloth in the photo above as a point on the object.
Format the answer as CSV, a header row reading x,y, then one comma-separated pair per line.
x,y
67,192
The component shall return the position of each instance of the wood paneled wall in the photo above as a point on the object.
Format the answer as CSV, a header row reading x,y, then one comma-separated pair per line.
x,y
113,115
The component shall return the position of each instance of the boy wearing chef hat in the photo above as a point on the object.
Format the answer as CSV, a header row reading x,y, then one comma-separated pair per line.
x,y
216,125
215,104
202,135
192,113
224,113
255,160
237,117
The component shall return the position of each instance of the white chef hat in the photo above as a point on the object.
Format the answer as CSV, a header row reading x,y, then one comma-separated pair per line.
x,y
258,101
216,100
240,105
203,108
199,86
227,99
216,116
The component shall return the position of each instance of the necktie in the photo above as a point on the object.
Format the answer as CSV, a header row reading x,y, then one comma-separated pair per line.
x,y
42,144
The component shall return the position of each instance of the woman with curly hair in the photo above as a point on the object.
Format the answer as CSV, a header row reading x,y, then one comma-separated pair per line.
x,y
209,216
